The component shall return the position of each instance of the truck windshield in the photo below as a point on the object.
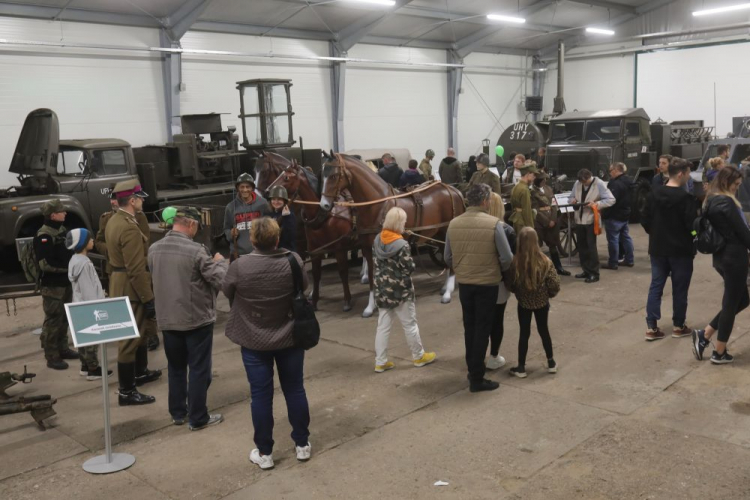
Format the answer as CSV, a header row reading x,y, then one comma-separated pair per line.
x,y
70,162
567,131
603,130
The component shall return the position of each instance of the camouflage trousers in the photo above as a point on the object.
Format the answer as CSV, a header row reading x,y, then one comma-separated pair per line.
x,y
89,357
55,327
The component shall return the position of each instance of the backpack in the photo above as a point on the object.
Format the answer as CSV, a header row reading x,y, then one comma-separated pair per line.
x,y
30,265
306,329
706,238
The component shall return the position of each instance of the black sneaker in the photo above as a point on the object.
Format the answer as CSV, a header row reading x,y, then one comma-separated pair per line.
x,y
581,276
96,374
518,371
178,421
69,354
484,385
57,364
721,359
214,419
551,366
699,343
592,279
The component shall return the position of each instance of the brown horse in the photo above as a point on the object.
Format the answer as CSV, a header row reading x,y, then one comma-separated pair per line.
x,y
325,232
429,208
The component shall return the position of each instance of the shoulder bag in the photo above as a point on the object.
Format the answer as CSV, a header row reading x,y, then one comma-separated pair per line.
x,y
306,329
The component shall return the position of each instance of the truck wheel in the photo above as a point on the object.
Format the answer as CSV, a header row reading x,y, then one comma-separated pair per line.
x,y
640,195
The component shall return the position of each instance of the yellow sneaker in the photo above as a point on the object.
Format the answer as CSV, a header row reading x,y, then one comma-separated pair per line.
x,y
426,359
387,366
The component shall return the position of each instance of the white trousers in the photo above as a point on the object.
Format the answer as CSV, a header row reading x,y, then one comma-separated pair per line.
x,y
407,314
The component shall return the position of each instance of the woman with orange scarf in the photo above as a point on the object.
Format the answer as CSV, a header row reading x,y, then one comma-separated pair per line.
x,y
394,291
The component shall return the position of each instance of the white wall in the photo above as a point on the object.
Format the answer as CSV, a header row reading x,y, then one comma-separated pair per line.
x,y
591,84
211,81
396,106
95,94
669,86
490,102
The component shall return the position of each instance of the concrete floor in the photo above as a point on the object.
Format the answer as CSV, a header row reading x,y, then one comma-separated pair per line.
x,y
622,419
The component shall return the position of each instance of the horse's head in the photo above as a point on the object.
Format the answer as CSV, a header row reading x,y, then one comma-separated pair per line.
x,y
289,178
335,179
267,169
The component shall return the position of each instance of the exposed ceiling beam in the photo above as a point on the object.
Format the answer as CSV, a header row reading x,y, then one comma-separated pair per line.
x,y
185,16
79,15
355,32
251,29
575,40
406,42
608,5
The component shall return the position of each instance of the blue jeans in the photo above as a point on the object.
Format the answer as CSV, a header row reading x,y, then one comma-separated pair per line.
x,y
188,389
681,271
617,230
259,368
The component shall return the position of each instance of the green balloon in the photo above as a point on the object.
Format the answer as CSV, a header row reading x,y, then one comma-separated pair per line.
x,y
499,150
168,214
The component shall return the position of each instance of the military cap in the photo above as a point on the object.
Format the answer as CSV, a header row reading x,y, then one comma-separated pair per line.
x,y
52,207
132,187
483,159
529,168
188,213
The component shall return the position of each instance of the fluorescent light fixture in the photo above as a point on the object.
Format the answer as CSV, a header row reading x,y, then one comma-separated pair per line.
x,y
507,19
389,3
719,10
600,31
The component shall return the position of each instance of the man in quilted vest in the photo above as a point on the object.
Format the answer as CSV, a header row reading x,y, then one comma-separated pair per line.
x,y
478,250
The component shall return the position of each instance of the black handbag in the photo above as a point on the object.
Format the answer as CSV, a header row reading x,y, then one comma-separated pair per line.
x,y
306,329
707,239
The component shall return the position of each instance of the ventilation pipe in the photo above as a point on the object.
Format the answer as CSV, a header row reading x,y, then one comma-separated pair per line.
x,y
559,107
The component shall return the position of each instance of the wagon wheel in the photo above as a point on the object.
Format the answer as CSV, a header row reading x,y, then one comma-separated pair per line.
x,y
567,233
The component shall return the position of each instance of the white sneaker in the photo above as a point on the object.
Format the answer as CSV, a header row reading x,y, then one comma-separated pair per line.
x,y
495,362
262,461
303,452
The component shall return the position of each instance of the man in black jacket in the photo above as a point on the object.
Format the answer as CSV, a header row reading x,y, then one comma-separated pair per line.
x,y
668,220
390,172
616,217
53,257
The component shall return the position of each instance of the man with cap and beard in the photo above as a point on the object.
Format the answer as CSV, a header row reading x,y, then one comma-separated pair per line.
x,y
127,249
53,258
100,244
484,176
186,282
240,214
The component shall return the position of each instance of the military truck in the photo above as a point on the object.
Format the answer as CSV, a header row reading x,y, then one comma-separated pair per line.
x,y
80,174
596,139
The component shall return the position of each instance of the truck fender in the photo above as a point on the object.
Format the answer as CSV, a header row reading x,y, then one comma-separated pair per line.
x,y
76,215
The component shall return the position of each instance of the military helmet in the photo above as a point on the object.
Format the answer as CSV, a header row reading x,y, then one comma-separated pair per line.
x,y
245,177
430,153
278,192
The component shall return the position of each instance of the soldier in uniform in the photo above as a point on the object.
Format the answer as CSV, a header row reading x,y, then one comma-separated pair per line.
x,y
53,258
127,251
151,331
520,198
545,222
484,176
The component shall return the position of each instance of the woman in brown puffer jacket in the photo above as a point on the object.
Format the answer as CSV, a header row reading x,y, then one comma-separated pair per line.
x,y
260,288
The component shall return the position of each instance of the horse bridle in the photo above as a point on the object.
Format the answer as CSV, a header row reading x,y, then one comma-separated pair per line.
x,y
343,174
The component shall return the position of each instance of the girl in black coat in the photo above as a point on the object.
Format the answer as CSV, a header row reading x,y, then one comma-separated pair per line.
x,y
731,262
284,218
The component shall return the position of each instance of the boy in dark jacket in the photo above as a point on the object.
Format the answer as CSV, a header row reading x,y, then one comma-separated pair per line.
x,y
668,220
411,177
616,217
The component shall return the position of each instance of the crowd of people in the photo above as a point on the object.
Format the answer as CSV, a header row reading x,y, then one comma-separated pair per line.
x,y
174,282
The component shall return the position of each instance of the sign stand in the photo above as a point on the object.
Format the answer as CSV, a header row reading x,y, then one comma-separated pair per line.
x,y
561,200
109,462
98,322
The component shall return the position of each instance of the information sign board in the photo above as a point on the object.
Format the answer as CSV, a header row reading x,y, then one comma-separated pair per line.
x,y
101,321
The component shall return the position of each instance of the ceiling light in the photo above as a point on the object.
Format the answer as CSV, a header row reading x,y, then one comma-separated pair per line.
x,y
600,31
507,19
718,10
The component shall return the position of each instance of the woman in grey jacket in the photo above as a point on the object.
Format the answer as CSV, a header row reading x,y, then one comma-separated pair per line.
x,y
260,288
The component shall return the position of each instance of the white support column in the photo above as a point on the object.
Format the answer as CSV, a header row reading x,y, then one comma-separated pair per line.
x,y
338,85
171,69
455,76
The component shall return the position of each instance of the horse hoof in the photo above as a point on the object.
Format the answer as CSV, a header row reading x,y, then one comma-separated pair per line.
x,y
367,314
445,300
347,308
365,281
